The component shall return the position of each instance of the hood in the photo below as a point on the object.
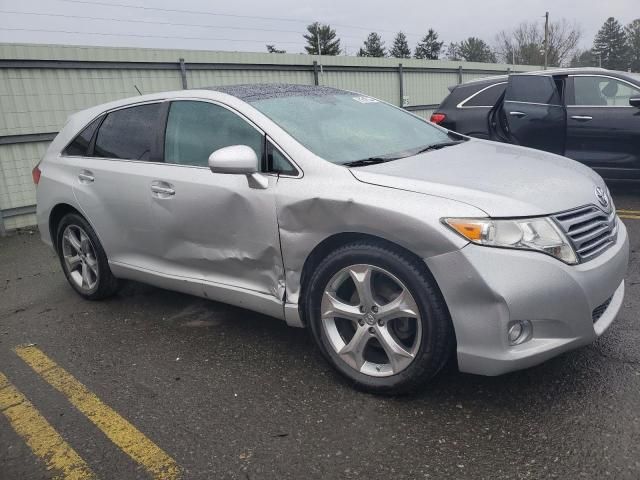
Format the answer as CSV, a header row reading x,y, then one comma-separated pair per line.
x,y
503,180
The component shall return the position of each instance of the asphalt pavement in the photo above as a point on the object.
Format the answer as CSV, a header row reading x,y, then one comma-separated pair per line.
x,y
213,391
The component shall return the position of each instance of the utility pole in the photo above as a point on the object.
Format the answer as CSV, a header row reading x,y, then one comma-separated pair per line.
x,y
546,40
319,50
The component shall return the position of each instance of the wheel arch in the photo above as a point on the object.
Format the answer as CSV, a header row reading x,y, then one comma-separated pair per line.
x,y
331,243
55,217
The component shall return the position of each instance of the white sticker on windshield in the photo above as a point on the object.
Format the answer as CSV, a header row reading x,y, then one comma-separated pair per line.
x,y
365,100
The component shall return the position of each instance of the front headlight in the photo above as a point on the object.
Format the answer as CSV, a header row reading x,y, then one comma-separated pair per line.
x,y
538,234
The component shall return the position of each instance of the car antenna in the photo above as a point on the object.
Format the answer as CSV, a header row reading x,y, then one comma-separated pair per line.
x,y
136,87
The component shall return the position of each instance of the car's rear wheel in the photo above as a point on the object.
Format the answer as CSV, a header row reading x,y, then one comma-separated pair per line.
x,y
379,318
83,259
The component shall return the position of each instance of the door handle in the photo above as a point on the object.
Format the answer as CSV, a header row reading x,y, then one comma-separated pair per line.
x,y
518,114
162,189
582,118
85,176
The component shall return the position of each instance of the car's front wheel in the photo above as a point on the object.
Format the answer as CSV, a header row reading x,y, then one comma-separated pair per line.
x,y
83,259
379,318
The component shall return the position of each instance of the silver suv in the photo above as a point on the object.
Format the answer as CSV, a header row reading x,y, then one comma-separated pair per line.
x,y
396,242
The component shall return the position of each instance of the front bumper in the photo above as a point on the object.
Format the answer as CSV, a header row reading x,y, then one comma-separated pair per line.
x,y
487,288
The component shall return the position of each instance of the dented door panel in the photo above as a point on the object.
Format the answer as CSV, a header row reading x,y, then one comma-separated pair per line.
x,y
219,229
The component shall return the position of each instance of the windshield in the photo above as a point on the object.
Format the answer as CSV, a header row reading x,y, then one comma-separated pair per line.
x,y
344,128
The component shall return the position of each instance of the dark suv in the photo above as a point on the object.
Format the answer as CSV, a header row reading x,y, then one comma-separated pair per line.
x,y
589,115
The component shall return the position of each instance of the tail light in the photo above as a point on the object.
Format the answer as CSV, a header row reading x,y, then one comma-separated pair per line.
x,y
438,118
35,174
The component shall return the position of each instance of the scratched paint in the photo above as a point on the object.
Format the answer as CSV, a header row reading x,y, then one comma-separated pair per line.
x,y
120,431
43,440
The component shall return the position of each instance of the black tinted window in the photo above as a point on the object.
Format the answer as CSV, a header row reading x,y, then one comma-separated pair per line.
x,y
196,129
488,97
533,89
80,144
128,133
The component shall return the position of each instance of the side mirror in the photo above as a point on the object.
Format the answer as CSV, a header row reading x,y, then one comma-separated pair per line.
x,y
635,102
236,159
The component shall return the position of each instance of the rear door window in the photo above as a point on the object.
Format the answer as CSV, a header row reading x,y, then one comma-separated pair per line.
x,y
196,129
80,145
129,133
533,89
487,97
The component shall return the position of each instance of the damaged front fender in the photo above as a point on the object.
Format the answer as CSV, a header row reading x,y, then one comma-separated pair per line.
x,y
315,208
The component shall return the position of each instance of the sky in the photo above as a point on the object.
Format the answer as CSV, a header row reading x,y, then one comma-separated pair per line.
x,y
248,25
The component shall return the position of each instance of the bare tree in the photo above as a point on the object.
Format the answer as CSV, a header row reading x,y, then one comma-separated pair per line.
x,y
525,44
273,49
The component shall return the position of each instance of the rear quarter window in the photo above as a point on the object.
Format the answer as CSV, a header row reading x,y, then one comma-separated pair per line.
x,y
487,97
80,145
458,94
129,133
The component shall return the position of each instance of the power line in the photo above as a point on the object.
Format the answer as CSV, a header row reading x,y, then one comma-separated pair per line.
x,y
203,25
111,34
137,35
217,14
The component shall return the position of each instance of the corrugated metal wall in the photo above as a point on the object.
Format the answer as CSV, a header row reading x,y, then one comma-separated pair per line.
x,y
40,85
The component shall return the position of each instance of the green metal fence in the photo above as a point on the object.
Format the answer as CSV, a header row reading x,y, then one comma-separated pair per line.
x,y
40,85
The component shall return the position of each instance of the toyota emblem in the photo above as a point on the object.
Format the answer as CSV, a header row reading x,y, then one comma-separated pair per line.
x,y
602,197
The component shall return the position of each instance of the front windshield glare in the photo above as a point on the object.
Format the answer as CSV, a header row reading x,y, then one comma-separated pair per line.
x,y
344,128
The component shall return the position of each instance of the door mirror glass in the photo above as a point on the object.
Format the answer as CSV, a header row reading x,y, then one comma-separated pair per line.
x,y
236,159
634,102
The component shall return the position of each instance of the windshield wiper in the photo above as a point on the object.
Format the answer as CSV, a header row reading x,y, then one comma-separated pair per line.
x,y
409,153
369,161
438,146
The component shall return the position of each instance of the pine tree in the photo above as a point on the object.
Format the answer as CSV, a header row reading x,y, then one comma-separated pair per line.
x,y
329,44
400,47
373,46
633,44
476,50
610,45
429,47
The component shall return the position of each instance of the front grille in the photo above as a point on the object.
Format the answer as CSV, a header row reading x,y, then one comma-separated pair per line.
x,y
590,230
599,311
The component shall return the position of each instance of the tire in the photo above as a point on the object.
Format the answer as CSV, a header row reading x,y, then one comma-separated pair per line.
x,y
337,314
83,260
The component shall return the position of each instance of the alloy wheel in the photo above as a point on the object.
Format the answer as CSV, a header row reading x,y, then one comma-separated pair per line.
x,y
371,320
80,258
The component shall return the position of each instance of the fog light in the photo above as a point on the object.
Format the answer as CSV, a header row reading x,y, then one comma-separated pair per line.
x,y
519,332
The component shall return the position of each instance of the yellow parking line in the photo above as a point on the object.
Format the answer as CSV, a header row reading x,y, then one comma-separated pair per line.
x,y
127,437
41,437
629,212
633,217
